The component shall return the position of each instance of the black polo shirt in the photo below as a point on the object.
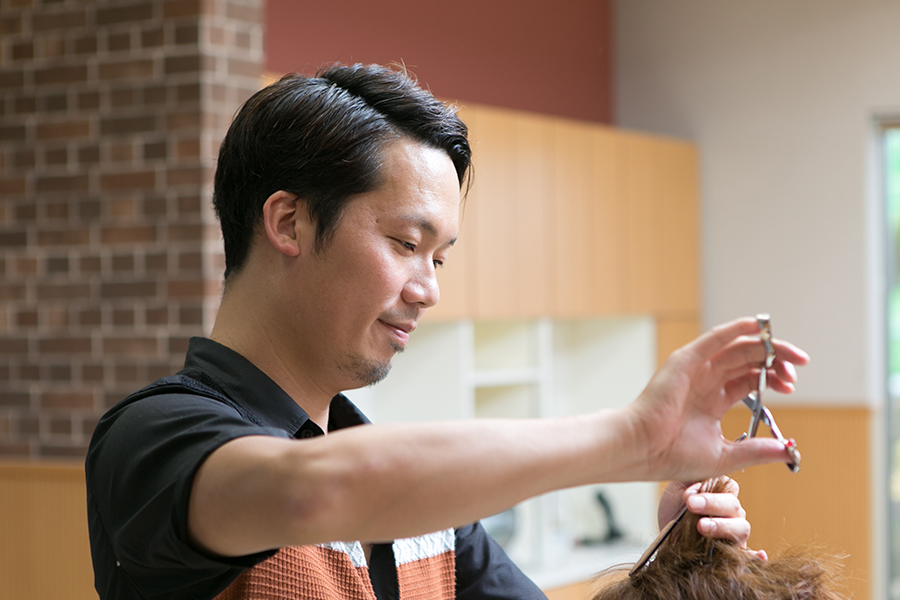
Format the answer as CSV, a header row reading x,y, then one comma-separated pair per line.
x,y
142,460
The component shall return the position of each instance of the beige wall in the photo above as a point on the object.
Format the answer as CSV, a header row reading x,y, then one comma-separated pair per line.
x,y
781,99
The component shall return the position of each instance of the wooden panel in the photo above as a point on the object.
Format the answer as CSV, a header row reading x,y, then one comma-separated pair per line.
x,y
576,591
572,194
456,277
643,274
828,501
45,551
508,214
492,204
679,228
672,334
573,219
609,273
661,222
536,252
586,197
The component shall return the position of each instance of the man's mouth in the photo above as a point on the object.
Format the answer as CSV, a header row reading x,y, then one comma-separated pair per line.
x,y
399,331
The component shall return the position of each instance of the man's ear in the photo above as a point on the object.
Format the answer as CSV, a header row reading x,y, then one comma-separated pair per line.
x,y
287,223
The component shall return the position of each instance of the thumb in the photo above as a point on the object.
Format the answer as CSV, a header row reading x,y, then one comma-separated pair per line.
x,y
752,452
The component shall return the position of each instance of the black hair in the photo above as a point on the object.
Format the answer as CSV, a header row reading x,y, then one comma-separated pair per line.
x,y
322,138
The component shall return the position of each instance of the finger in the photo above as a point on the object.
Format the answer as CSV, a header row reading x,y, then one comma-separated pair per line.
x,y
737,530
743,352
739,388
777,384
749,351
716,339
788,352
730,485
786,371
783,372
753,451
716,505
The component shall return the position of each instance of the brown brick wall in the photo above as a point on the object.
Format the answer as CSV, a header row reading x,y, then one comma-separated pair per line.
x,y
111,112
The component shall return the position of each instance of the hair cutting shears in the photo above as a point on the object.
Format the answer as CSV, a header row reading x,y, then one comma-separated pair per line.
x,y
758,411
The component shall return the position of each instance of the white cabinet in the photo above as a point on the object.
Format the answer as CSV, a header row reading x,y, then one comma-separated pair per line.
x,y
534,368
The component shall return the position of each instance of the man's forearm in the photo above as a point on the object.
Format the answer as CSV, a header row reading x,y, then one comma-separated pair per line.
x,y
384,482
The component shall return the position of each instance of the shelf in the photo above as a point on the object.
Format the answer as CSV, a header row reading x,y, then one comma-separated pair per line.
x,y
506,402
582,564
534,369
506,377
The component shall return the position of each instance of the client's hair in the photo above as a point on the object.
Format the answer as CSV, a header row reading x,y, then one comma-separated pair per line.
x,y
690,567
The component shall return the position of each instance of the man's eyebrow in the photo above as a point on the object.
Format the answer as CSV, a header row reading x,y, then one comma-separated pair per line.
x,y
424,225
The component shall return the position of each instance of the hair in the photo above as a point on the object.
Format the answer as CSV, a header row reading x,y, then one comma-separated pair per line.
x,y
322,138
688,566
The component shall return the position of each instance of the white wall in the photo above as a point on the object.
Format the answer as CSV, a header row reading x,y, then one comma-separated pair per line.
x,y
780,96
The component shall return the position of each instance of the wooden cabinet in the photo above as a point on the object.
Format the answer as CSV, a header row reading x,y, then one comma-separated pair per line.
x,y
587,203
571,219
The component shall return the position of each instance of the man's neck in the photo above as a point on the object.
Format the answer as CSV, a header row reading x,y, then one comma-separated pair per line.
x,y
243,326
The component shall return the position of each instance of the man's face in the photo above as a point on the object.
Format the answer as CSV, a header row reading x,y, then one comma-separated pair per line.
x,y
367,290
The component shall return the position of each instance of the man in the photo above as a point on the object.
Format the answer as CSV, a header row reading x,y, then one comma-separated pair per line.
x,y
339,198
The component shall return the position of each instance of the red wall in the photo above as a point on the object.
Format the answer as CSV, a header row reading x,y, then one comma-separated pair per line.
x,y
521,54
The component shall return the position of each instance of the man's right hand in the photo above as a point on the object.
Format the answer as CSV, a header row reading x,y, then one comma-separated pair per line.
x,y
678,415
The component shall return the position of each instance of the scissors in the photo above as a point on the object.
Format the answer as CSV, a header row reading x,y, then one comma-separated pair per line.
x,y
758,413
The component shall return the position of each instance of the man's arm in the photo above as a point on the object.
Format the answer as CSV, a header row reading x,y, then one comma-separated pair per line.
x,y
389,481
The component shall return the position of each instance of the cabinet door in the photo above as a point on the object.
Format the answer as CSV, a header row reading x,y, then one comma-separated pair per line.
x,y
587,201
661,225
672,334
507,214
456,277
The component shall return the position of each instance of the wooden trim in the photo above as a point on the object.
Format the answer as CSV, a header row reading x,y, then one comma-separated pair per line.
x,y
576,591
828,502
43,519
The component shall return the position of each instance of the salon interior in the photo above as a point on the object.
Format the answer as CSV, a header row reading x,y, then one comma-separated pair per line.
x,y
643,171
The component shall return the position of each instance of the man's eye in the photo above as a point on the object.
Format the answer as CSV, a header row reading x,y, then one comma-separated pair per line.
x,y
406,245
438,263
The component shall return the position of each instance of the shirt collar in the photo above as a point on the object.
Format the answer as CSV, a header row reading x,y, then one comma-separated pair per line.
x,y
247,386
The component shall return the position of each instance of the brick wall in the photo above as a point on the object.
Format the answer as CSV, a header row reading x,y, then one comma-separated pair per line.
x,y
110,117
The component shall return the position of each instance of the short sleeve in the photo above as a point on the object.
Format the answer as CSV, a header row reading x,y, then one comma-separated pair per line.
x,y
485,572
139,470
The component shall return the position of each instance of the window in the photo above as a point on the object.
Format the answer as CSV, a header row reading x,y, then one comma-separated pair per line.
x,y
891,154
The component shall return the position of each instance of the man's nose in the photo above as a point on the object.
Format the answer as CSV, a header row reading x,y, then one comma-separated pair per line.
x,y
422,288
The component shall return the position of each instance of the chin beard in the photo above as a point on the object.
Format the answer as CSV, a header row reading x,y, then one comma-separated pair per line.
x,y
368,371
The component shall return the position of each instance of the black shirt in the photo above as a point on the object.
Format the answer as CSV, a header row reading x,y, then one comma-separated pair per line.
x,y
141,464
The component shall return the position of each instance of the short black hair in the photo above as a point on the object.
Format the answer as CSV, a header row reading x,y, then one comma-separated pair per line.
x,y
322,138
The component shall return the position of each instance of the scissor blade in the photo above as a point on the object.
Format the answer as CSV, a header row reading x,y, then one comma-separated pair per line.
x,y
753,403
